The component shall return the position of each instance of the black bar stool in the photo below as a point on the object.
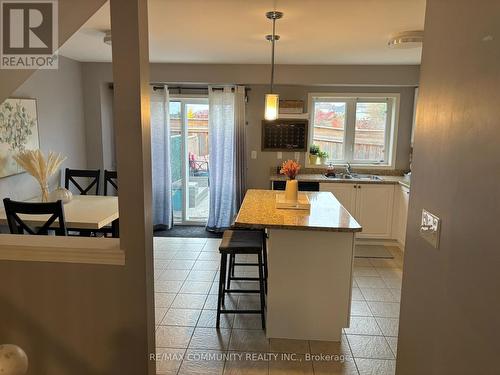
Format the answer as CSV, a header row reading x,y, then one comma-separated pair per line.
x,y
241,242
233,262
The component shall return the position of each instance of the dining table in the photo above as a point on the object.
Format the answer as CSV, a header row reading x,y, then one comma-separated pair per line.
x,y
82,212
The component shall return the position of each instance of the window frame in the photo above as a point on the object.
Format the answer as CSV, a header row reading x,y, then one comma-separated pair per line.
x,y
351,99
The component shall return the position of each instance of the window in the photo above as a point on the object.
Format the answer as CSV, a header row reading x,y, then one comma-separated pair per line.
x,y
354,129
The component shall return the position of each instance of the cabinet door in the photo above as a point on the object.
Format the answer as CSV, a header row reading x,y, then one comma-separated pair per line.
x,y
345,194
374,208
403,212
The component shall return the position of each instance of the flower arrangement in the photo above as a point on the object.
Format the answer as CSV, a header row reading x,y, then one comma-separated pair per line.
x,y
290,168
313,154
314,149
35,164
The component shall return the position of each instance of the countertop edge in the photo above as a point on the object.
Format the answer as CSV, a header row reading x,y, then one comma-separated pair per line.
x,y
294,227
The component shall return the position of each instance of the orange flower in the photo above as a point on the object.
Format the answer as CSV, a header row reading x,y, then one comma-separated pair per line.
x,y
290,168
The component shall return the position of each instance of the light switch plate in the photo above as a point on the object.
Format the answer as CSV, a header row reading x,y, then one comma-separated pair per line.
x,y
430,228
279,155
254,155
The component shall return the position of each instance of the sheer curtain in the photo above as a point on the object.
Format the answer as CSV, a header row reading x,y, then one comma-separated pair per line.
x,y
160,154
227,155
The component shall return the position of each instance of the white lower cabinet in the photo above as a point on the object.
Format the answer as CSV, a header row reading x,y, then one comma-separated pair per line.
x,y
374,209
345,194
370,204
401,199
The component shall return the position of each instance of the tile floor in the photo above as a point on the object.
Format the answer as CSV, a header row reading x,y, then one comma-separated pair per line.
x,y
188,343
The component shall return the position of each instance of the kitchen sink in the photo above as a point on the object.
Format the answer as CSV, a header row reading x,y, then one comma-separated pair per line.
x,y
355,176
359,176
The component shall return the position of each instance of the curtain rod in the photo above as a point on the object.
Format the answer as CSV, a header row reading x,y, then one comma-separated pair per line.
x,y
157,86
197,88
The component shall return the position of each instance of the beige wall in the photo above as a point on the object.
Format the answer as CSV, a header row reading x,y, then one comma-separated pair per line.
x,y
61,124
72,15
96,319
258,169
299,81
449,309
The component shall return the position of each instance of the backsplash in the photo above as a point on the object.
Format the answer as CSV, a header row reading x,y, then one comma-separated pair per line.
x,y
320,170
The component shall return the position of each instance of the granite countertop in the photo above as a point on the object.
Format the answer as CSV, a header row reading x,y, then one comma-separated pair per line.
x,y
258,211
401,180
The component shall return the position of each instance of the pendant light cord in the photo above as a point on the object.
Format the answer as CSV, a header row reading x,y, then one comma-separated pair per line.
x,y
272,54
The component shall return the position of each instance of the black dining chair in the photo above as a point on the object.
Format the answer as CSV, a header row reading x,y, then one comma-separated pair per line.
x,y
19,226
92,175
111,178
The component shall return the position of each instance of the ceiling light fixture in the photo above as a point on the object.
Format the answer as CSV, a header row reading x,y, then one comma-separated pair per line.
x,y
407,39
272,99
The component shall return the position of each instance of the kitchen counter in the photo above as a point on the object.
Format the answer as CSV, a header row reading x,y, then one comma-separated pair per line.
x,y
401,180
258,211
310,260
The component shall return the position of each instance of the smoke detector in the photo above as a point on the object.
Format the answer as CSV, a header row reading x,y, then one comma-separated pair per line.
x,y
406,39
107,37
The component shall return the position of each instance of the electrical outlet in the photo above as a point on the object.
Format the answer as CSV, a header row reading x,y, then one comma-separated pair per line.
x,y
297,156
279,155
430,228
254,154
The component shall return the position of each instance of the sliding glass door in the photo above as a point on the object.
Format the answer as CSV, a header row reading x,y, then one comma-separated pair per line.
x,y
189,159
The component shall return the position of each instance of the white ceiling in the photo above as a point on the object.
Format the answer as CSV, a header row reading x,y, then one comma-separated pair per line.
x,y
233,31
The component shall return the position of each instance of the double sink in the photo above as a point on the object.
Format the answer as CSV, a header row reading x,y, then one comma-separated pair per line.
x,y
353,176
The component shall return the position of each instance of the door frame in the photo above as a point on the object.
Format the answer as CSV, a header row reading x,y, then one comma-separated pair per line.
x,y
185,100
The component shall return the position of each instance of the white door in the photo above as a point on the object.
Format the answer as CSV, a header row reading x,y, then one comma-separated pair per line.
x,y
345,193
374,210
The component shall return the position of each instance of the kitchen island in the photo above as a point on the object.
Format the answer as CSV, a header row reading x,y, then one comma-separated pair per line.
x,y
310,260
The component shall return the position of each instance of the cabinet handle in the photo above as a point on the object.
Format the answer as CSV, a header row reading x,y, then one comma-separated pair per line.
x,y
359,186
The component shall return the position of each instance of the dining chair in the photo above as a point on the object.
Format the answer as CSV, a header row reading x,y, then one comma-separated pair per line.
x,y
110,177
91,174
18,226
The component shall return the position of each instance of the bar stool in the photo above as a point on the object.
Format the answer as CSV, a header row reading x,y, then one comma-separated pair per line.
x,y
241,242
232,263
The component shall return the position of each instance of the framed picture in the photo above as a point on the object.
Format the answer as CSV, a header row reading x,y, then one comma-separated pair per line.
x,y
18,132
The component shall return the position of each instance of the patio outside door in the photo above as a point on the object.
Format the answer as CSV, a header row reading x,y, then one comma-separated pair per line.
x,y
189,159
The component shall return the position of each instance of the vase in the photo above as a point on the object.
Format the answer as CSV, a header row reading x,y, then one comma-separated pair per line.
x,y
61,194
45,192
323,161
313,159
292,191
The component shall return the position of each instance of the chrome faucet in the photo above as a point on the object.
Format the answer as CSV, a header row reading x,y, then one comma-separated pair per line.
x,y
348,169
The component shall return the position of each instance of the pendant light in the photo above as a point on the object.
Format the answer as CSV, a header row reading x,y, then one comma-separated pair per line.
x,y
272,99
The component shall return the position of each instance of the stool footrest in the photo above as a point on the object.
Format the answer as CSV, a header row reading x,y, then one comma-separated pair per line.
x,y
241,291
246,264
237,278
240,311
